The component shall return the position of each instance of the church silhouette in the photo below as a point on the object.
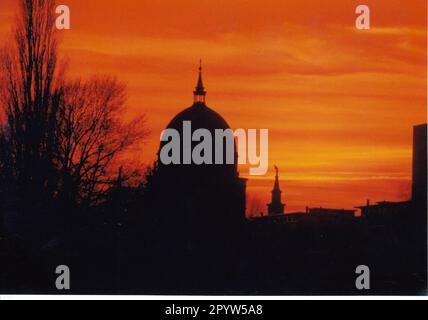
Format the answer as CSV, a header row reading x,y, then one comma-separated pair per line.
x,y
201,241
197,195
197,212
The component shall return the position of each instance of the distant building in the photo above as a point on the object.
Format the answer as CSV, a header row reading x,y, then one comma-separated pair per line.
x,y
280,219
419,176
295,217
276,207
312,215
387,210
331,213
276,211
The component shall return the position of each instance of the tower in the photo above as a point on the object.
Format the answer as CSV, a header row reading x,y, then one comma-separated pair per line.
x,y
276,206
419,180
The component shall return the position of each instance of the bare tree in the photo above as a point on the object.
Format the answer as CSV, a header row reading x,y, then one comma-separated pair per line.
x,y
30,95
92,135
59,138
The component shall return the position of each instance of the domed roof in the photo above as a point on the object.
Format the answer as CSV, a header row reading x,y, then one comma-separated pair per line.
x,y
199,192
200,116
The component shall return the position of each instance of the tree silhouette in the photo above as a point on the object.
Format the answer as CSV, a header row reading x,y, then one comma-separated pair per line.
x,y
91,135
58,138
30,98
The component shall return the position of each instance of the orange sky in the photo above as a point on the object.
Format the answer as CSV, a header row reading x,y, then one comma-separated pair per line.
x,y
339,103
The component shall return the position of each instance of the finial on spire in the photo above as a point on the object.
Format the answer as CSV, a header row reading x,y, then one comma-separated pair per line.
x,y
276,185
199,93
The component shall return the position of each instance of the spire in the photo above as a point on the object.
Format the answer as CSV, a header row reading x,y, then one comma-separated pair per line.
x,y
276,206
199,93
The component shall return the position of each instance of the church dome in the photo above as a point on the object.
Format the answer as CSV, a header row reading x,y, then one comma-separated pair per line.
x,y
197,194
201,116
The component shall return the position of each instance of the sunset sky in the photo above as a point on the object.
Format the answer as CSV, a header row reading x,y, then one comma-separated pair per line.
x,y
339,103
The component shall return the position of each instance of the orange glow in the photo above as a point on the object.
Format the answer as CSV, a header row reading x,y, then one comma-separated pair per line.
x,y
339,103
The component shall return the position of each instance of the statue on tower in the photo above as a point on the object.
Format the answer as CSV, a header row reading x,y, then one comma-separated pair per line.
x,y
276,206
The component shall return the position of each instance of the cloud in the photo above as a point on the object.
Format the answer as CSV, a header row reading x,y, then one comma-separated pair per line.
x,y
339,103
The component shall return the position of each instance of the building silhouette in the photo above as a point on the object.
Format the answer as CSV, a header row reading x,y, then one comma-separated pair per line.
x,y
199,194
277,215
331,213
415,207
419,174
